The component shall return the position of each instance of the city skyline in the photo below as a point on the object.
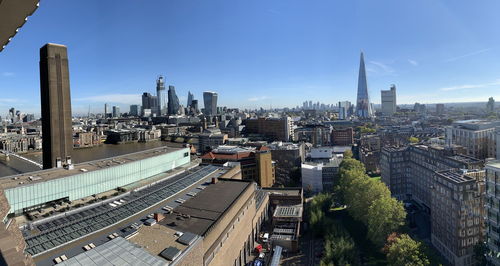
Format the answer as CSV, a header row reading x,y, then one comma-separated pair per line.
x,y
443,66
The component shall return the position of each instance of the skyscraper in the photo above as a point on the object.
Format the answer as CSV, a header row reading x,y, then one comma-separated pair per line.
x,y
135,110
210,101
173,101
105,110
363,107
190,99
490,106
57,130
389,101
116,111
161,95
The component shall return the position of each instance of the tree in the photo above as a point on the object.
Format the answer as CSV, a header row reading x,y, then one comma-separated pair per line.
x,y
406,251
413,140
347,154
385,215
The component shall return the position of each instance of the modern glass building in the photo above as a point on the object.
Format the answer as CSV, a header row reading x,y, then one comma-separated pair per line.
x,y
54,184
210,101
173,101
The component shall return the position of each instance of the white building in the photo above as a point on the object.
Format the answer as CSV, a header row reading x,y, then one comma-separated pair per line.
x,y
477,136
389,101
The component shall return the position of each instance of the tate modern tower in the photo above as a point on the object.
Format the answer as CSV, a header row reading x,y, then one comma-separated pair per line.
x,y
363,106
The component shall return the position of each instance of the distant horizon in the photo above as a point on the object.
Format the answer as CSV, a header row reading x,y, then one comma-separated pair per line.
x,y
258,54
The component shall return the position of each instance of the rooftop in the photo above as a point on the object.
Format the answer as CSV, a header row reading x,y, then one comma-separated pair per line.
x,y
455,176
198,214
115,252
54,173
294,211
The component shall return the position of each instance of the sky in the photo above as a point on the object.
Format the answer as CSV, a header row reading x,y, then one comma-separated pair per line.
x,y
259,53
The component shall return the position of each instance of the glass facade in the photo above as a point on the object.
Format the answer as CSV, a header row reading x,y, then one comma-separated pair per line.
x,y
88,183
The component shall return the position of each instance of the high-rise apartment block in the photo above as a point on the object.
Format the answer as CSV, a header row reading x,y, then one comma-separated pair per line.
x,y
478,137
363,107
210,101
56,105
389,101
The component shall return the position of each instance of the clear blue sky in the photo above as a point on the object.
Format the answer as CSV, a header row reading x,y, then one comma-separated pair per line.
x,y
260,52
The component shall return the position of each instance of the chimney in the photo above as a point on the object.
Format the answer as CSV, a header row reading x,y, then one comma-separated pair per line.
x,y
214,180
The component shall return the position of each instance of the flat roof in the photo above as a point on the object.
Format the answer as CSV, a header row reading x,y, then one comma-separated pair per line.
x,y
206,208
455,176
115,252
155,239
54,173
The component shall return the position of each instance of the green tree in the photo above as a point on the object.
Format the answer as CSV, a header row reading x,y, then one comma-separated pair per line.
x,y
413,140
347,154
406,251
385,215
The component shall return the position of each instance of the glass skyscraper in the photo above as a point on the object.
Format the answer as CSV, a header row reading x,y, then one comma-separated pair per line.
x,y
363,106
210,101
173,101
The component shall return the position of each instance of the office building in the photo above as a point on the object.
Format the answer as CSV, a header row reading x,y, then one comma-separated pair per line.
x,y
173,101
457,214
210,139
149,102
342,136
135,110
161,96
105,110
477,136
493,212
256,163
210,101
190,99
363,106
56,105
116,111
193,109
280,129
319,176
389,101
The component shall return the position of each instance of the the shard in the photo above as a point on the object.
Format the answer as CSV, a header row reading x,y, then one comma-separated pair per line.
x,y
363,106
